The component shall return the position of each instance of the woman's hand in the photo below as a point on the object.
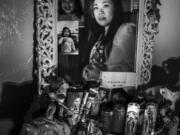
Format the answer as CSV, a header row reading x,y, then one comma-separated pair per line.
x,y
91,72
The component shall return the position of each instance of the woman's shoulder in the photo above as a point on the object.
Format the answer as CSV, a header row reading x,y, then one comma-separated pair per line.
x,y
127,28
126,32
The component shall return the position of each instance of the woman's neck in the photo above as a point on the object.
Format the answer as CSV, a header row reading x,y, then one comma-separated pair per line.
x,y
106,30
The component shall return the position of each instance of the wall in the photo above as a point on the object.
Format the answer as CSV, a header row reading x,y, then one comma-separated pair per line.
x,y
16,40
16,56
167,42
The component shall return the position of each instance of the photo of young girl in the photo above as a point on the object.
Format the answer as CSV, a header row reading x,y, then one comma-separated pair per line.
x,y
68,38
66,42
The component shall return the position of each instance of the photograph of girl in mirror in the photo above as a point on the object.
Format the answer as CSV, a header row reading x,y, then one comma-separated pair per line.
x,y
69,10
68,47
66,42
111,42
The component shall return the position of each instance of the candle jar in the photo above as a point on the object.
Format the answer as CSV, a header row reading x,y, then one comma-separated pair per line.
x,y
150,115
119,115
132,117
106,120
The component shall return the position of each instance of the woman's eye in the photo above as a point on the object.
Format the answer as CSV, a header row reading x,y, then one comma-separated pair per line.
x,y
106,5
95,8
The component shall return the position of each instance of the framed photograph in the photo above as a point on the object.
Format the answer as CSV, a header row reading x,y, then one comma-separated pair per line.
x,y
68,37
119,55
117,65
70,10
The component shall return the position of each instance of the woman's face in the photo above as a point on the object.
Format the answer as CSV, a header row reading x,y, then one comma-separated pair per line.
x,y
103,12
67,6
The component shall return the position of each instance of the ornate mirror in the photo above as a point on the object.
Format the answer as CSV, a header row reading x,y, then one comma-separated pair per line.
x,y
54,19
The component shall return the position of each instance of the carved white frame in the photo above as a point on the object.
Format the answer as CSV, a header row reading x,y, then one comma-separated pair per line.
x,y
46,41
47,47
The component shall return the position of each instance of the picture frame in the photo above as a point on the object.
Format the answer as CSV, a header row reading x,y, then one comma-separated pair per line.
x,y
46,36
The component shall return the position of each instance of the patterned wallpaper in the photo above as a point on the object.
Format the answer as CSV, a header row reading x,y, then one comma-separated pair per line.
x,y
16,40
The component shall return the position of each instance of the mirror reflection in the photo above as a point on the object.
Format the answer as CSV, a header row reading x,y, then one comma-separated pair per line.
x,y
100,38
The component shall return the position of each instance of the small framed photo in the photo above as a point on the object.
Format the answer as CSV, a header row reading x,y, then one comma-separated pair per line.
x,y
68,37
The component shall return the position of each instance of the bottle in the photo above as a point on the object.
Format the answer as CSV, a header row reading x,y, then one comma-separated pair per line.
x,y
81,129
106,117
119,117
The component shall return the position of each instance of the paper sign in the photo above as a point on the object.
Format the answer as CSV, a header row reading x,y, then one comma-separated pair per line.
x,y
117,79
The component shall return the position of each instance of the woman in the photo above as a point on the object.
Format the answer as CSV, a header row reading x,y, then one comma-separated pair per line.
x,y
113,50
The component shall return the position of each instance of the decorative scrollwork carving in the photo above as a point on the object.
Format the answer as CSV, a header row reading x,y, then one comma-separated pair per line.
x,y
150,29
44,25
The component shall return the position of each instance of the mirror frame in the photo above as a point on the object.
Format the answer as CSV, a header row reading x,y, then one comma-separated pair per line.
x,y
46,48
